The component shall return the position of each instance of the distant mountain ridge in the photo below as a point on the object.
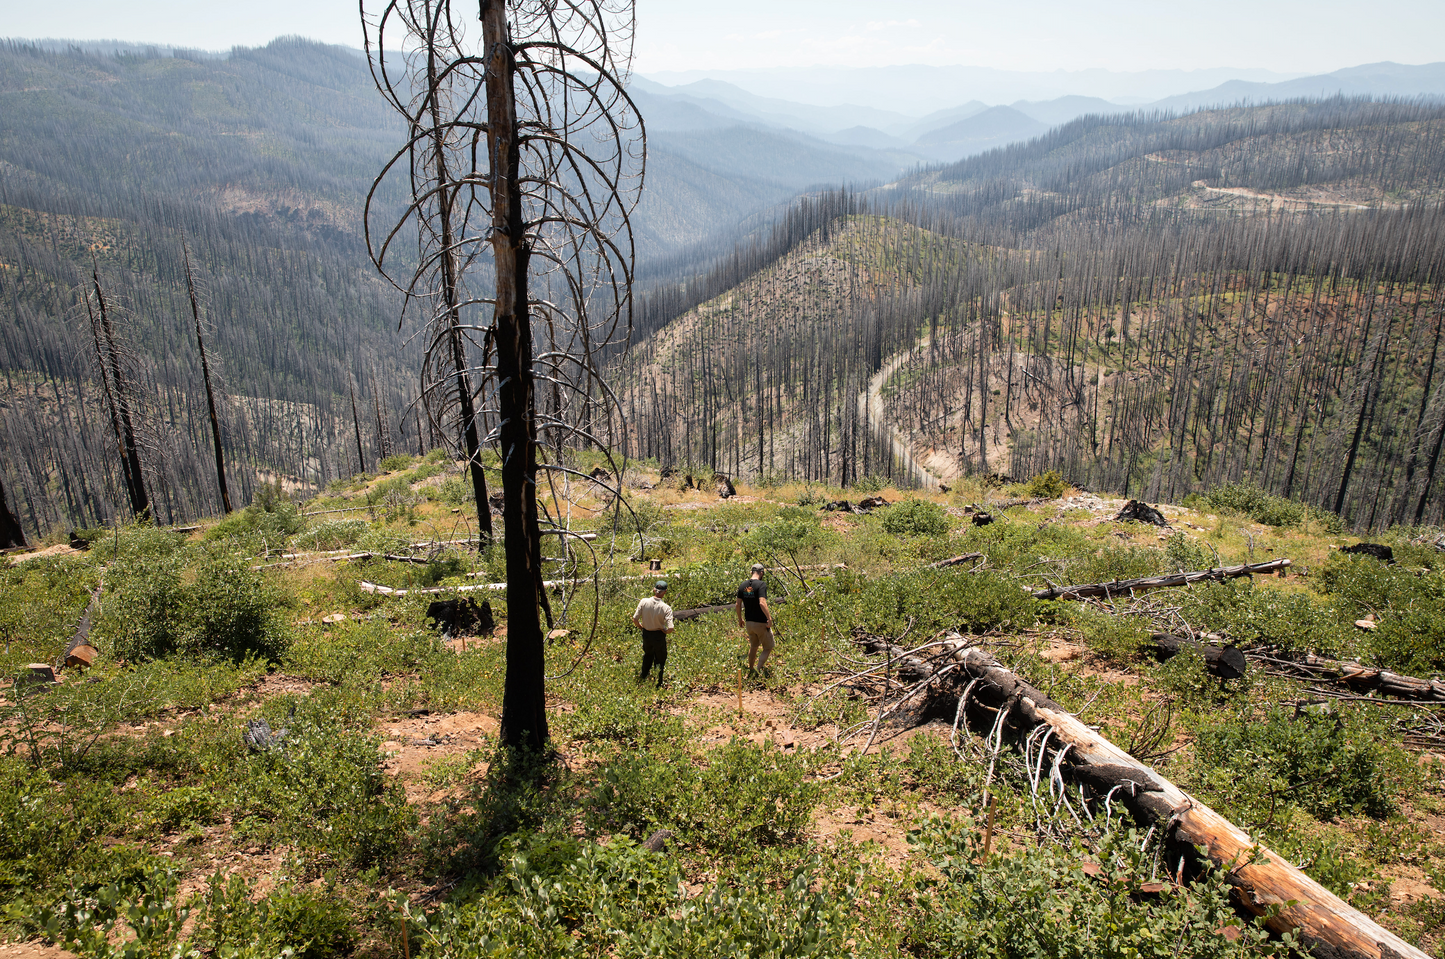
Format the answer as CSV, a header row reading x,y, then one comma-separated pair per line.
x,y
960,130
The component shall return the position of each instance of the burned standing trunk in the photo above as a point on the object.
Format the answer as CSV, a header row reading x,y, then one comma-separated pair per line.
x,y
356,425
451,299
11,535
108,357
524,707
210,393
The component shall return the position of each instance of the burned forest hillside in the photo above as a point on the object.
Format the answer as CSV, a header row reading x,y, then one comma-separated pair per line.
x,y
1149,305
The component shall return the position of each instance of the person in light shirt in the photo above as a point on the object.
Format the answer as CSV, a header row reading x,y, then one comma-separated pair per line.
x,y
654,618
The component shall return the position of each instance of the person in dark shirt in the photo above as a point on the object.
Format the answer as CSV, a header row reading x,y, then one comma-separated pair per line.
x,y
755,617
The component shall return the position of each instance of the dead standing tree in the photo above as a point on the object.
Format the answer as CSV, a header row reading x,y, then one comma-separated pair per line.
x,y
115,385
524,161
206,379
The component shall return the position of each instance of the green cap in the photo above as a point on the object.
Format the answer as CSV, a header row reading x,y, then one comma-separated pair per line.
x,y
660,585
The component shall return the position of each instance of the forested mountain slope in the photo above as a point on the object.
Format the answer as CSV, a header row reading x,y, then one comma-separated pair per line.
x,y
1152,306
259,162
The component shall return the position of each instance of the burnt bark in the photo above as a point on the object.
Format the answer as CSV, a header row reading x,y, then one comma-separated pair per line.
x,y
210,393
1226,662
11,534
524,707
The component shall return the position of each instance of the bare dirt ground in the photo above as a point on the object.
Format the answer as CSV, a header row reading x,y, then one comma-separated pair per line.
x,y
33,950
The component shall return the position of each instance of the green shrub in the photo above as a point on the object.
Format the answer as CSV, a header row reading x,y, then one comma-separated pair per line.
x,y
1329,765
1258,505
1039,902
1118,562
332,534
1183,553
1115,637
323,789
223,608
931,600
289,921
915,517
871,483
1252,614
399,461
744,797
1410,608
561,896
1048,485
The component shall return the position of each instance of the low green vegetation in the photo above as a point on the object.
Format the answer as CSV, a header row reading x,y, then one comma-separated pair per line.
x,y
378,818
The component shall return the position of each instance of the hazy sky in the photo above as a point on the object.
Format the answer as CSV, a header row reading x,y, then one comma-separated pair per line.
x,y
1301,36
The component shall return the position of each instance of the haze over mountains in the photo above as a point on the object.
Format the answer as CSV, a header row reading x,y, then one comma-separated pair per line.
x,y
943,114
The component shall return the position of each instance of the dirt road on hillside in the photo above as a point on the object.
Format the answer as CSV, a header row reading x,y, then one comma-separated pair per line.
x,y
870,407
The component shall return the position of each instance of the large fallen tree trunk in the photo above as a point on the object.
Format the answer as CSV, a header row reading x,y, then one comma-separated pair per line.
x,y
1266,883
1355,676
1126,587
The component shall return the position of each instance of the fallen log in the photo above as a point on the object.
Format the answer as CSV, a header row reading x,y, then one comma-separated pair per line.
x,y
1126,587
1226,662
955,560
683,614
1355,676
1266,883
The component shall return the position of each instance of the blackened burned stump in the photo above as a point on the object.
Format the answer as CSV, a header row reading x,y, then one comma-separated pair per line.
x,y
839,506
1378,550
657,842
982,519
1141,512
462,617
872,503
494,503
1226,662
259,738
725,488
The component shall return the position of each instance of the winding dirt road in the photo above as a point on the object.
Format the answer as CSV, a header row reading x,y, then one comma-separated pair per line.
x,y
870,407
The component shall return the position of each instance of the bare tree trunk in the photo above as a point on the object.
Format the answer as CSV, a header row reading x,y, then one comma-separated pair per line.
x,y
139,502
210,394
356,425
10,532
524,712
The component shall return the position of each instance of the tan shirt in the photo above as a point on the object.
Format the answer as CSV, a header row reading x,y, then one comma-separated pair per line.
x,y
653,614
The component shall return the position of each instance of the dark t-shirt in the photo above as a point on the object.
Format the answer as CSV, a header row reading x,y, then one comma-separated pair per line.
x,y
750,592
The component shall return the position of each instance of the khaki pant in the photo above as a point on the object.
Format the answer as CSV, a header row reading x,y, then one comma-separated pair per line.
x,y
760,637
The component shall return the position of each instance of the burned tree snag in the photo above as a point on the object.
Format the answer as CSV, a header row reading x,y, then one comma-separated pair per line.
x,y
11,535
210,393
107,355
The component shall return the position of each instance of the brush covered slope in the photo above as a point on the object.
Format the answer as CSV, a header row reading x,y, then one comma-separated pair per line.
x,y
375,816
